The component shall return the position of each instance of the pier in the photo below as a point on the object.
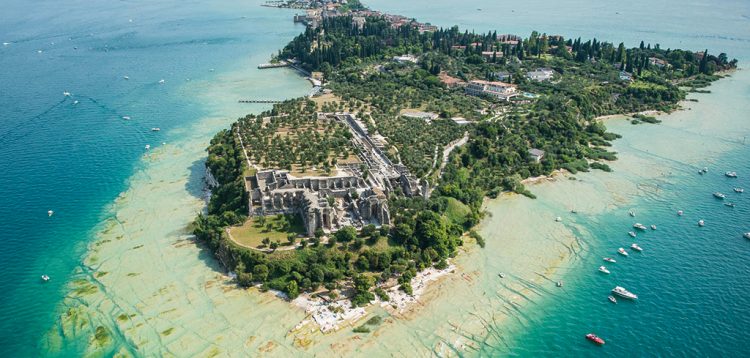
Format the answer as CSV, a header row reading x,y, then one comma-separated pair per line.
x,y
259,101
273,65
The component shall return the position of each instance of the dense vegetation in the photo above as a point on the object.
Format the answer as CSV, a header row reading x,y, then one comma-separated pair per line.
x,y
592,78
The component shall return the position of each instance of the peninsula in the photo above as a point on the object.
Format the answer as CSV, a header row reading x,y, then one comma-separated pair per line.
x,y
347,196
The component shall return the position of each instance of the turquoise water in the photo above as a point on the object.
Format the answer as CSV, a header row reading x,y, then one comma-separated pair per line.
x,y
75,158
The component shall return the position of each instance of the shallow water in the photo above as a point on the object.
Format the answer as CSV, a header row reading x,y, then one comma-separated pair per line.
x,y
116,246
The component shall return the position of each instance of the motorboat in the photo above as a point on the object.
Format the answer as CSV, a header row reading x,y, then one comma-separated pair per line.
x,y
636,247
148,146
603,269
622,292
75,102
45,278
731,174
746,235
559,284
653,227
50,213
639,226
609,259
701,223
126,77
161,82
739,190
622,252
594,338
155,129
502,275
631,213
632,234
719,195
127,118
679,213
612,299
558,219
66,94
731,205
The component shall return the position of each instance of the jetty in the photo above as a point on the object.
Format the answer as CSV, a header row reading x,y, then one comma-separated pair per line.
x,y
259,101
273,65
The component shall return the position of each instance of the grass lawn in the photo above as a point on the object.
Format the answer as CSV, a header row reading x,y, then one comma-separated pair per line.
x,y
252,232
457,211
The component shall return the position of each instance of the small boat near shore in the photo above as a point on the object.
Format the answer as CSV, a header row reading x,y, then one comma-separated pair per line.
x,y
653,227
148,146
594,338
622,252
719,195
631,213
739,190
559,284
701,223
731,174
45,278
609,259
612,299
680,212
604,269
636,247
632,234
155,129
622,292
746,235
50,212
127,118
731,205
502,275
703,171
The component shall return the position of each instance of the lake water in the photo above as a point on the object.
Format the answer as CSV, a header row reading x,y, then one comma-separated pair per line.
x,y
122,266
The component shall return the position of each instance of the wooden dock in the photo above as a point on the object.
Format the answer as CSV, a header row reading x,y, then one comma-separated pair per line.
x,y
273,65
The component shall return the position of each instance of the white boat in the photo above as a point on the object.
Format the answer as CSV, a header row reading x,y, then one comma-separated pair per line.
x,y
636,247
631,213
502,275
45,278
609,259
639,226
701,223
6,43
731,174
559,284
622,252
148,146
126,77
558,219
75,102
50,213
739,190
612,299
679,213
746,235
161,82
622,292
603,269
653,227
731,205
155,129
127,118
631,233
719,195
66,94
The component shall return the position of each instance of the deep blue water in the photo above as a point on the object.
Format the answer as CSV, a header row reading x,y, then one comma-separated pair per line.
x,y
75,158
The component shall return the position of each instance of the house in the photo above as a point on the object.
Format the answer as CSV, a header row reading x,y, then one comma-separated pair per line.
x,y
657,62
498,90
461,121
536,154
489,55
449,81
626,76
359,22
317,75
405,59
540,74
502,76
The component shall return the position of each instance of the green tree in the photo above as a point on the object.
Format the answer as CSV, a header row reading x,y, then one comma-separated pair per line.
x,y
260,272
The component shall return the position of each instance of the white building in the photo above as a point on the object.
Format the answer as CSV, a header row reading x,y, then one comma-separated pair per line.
x,y
540,74
405,59
499,90
536,154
